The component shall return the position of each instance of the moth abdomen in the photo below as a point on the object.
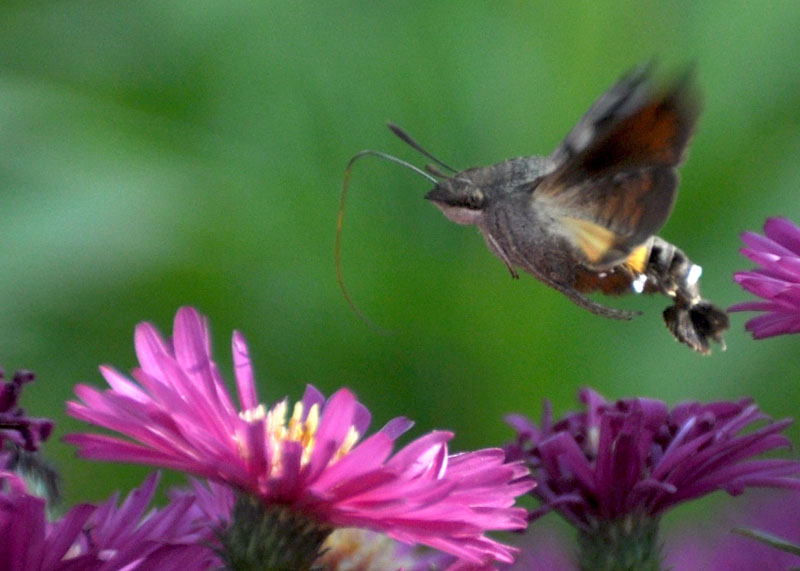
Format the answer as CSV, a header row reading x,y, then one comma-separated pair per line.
x,y
661,267
691,319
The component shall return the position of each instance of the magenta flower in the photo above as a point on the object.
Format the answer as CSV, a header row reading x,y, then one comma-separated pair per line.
x,y
178,414
173,537
28,542
777,282
211,502
104,537
614,469
635,456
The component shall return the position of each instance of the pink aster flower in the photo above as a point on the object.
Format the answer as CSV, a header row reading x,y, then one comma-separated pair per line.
x,y
102,538
311,464
777,281
615,468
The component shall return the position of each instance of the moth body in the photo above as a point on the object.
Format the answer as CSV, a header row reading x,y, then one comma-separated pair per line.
x,y
584,218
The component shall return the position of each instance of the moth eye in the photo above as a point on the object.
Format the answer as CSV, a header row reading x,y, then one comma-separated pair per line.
x,y
474,200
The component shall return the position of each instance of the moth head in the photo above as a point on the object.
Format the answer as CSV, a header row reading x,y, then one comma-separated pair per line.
x,y
459,199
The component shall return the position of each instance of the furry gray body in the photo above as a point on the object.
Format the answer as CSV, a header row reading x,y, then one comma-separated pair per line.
x,y
517,229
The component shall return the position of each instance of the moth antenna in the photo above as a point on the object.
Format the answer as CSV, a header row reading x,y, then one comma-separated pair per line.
x,y
406,138
340,220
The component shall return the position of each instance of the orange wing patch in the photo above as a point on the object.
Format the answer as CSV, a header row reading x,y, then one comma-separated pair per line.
x,y
594,241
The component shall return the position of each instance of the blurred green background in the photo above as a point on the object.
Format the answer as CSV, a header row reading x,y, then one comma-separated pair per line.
x,y
156,154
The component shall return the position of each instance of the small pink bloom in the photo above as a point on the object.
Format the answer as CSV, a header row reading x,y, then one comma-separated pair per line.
x,y
777,281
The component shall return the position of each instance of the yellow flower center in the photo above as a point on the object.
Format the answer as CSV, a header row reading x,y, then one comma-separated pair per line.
x,y
279,430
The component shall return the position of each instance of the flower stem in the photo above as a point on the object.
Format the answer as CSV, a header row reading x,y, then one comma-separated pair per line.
x,y
628,544
271,538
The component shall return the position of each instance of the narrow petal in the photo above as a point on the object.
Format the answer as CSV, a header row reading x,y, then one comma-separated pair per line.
x,y
243,372
777,281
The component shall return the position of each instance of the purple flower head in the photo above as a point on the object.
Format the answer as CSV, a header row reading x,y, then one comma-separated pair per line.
x,y
28,542
15,426
211,501
102,538
309,458
777,281
637,458
129,536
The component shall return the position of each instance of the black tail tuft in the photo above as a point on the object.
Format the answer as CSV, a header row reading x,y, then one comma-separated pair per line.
x,y
694,325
